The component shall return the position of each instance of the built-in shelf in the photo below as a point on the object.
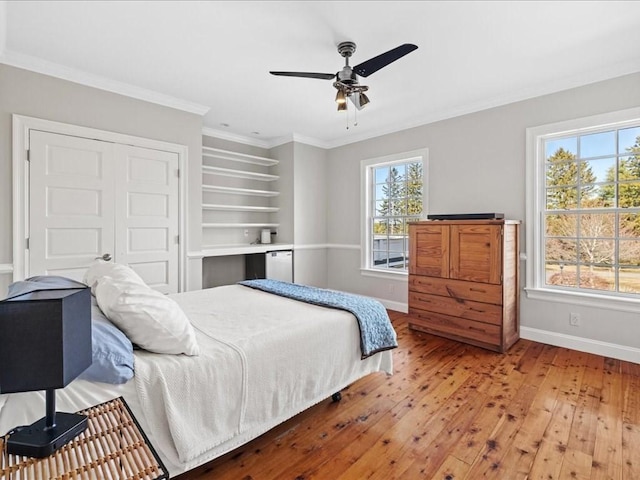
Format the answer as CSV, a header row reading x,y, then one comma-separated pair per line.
x,y
253,209
240,225
228,172
238,157
239,208
240,191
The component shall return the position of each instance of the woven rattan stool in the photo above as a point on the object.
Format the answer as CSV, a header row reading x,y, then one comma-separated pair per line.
x,y
113,447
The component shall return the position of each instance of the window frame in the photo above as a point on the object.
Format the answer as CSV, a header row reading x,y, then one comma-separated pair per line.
x,y
535,287
367,187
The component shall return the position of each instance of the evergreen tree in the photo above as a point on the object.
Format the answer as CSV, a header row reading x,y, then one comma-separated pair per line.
x,y
562,176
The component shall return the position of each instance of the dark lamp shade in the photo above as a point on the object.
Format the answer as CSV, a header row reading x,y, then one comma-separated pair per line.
x,y
46,339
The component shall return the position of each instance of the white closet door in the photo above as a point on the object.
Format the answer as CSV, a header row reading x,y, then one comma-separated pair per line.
x,y
147,203
71,214
88,198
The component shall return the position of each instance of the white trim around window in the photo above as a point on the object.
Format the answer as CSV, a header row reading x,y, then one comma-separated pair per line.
x,y
366,202
536,203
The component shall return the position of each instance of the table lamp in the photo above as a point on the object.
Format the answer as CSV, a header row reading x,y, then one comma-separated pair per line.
x,y
46,343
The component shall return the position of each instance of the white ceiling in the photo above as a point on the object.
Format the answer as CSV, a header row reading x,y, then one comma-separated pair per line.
x,y
215,56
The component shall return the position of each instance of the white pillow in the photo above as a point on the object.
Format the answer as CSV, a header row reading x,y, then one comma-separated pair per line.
x,y
117,271
150,319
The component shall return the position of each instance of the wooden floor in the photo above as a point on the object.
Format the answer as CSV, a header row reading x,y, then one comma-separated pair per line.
x,y
453,411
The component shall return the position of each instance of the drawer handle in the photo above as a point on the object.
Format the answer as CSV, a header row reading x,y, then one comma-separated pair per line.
x,y
478,290
453,295
476,329
476,310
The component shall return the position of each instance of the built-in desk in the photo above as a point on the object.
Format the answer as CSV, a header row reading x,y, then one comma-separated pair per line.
x,y
228,264
224,250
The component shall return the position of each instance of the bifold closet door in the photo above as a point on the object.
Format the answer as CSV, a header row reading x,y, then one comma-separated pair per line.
x,y
89,199
146,196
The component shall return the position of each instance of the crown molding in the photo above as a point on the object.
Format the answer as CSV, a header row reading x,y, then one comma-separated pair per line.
x,y
233,137
52,69
268,144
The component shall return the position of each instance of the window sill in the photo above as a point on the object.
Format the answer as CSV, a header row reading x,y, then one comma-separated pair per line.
x,y
584,299
387,275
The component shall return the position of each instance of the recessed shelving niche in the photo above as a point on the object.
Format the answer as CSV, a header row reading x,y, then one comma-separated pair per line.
x,y
239,197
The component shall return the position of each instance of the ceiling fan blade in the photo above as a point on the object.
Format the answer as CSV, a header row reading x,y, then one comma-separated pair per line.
x,y
321,76
374,64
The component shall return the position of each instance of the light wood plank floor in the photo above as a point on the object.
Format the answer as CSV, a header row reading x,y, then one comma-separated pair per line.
x,y
453,411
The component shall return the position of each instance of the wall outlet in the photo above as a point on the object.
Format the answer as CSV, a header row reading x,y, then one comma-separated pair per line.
x,y
574,319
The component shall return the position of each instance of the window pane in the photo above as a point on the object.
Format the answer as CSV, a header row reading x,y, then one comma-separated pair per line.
x,y
401,171
396,260
559,250
381,174
561,225
560,274
601,170
598,144
563,173
629,168
596,278
380,227
562,198
380,259
382,207
597,251
597,196
629,194
628,139
380,192
597,225
629,225
629,279
566,145
630,252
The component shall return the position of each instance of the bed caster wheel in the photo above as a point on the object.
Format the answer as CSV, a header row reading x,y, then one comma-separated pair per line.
x,y
336,397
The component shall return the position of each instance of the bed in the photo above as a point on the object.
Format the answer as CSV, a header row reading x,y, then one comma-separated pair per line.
x,y
261,359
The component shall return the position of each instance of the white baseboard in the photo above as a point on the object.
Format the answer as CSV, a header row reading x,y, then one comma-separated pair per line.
x,y
621,352
395,306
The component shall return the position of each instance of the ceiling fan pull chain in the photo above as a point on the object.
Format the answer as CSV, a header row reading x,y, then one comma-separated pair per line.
x,y
355,117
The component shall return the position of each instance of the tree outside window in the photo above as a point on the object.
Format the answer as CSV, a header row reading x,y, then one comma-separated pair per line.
x,y
592,211
397,199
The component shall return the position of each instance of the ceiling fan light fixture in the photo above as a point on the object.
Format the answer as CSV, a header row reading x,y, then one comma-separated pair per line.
x,y
342,106
363,99
341,99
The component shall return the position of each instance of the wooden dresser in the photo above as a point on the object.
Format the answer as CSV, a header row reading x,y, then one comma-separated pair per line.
x,y
464,280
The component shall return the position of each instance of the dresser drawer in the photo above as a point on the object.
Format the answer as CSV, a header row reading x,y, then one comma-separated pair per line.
x,y
456,289
479,333
481,312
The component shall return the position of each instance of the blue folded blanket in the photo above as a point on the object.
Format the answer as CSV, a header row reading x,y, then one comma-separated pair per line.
x,y
376,332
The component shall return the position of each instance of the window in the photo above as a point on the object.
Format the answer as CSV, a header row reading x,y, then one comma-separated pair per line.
x,y
393,195
585,207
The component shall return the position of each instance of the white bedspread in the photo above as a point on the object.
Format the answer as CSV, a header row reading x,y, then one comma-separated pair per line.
x,y
264,359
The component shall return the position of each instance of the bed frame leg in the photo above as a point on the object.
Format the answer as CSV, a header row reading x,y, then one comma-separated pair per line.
x,y
336,397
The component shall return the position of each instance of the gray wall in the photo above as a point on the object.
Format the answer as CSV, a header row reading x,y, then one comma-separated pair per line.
x,y
35,95
310,215
476,164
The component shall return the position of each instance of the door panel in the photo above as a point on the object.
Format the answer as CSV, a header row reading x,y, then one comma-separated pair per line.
x,y
429,246
71,218
147,232
476,253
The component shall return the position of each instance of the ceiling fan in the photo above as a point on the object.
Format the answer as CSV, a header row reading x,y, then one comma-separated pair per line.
x,y
346,80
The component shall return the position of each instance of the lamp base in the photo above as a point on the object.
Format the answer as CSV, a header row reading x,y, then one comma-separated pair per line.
x,y
37,441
